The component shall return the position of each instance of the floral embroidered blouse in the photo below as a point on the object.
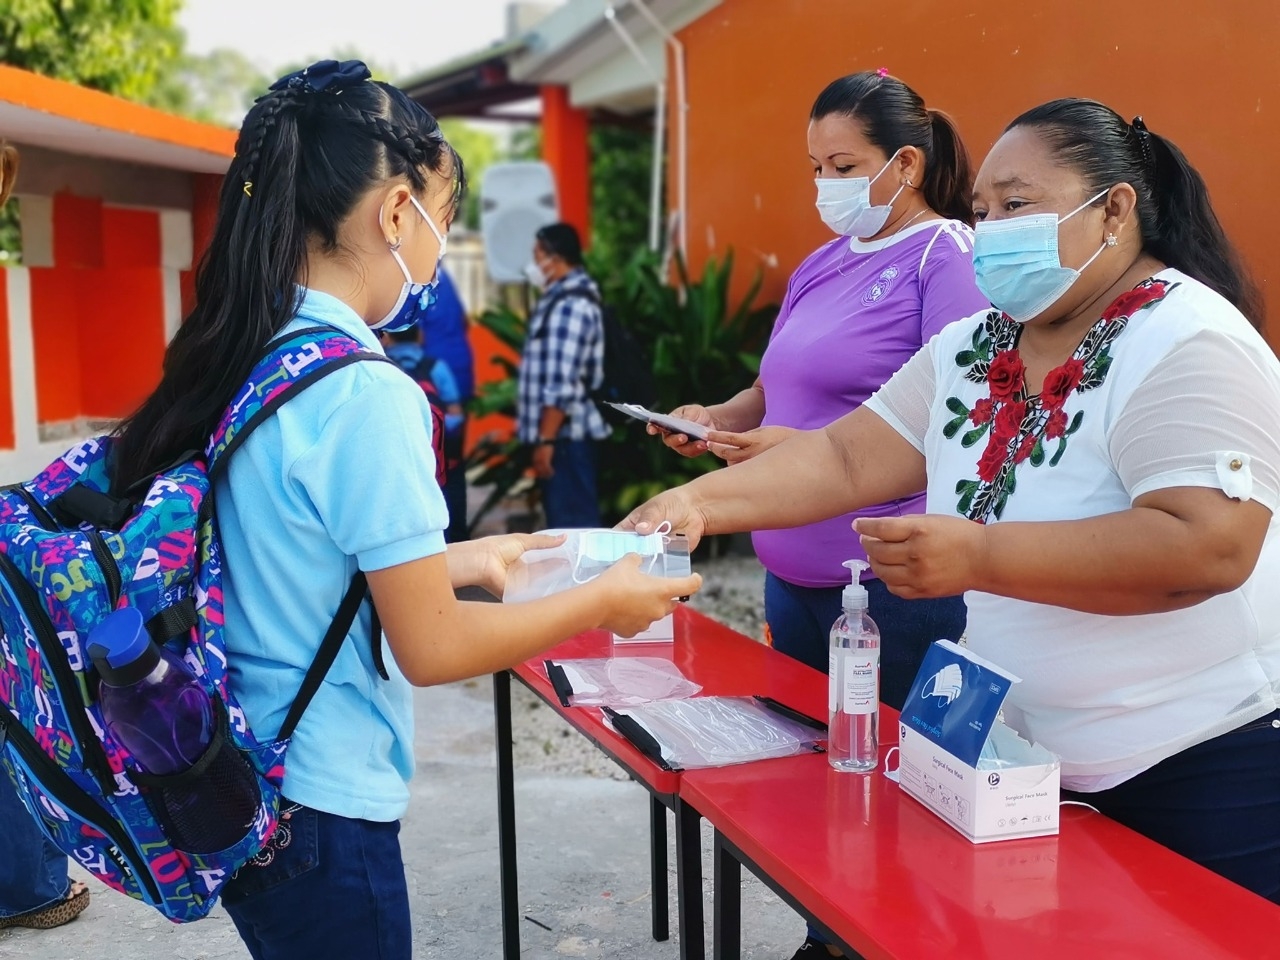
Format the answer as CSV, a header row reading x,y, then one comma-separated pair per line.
x,y
1171,387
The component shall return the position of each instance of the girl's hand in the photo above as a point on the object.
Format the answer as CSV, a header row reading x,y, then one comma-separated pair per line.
x,y
681,444
634,601
484,562
736,447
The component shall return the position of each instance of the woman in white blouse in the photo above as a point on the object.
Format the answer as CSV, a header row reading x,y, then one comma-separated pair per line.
x,y
1102,459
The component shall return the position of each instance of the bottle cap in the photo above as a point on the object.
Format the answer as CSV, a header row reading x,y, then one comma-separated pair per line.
x,y
120,642
855,595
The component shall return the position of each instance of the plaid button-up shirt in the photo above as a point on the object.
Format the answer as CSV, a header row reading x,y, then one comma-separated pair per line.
x,y
563,356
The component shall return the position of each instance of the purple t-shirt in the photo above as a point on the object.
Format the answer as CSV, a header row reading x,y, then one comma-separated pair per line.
x,y
853,314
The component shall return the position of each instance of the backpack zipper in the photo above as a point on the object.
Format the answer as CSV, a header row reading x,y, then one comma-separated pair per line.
x,y
110,569
68,794
38,510
64,679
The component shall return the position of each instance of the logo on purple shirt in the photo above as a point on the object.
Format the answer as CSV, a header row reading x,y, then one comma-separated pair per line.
x,y
878,290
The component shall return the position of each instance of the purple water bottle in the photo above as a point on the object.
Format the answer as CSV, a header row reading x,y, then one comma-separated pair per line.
x,y
156,709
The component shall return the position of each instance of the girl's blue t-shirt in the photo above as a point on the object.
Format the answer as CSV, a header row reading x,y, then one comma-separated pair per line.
x,y
341,478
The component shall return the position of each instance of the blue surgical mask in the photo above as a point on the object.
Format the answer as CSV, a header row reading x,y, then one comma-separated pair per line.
x,y
844,203
1017,266
415,298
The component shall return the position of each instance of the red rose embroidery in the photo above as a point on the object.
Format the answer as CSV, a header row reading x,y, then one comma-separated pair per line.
x,y
992,459
981,411
1008,420
1057,425
1131,301
1060,382
1024,449
1005,375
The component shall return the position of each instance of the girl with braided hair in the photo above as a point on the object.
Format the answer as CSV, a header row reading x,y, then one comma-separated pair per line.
x,y
335,213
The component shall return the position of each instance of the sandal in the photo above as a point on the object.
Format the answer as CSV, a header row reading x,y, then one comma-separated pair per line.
x,y
55,915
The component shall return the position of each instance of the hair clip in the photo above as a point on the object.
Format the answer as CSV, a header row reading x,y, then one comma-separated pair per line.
x,y
1144,142
882,72
248,188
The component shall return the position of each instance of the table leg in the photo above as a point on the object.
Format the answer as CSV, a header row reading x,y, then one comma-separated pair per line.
x,y
689,881
658,867
506,817
726,924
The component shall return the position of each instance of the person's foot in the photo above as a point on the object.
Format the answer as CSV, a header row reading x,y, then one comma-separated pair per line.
x,y
813,949
54,915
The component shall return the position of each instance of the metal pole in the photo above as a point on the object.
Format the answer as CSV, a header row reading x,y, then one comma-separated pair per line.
x,y
659,126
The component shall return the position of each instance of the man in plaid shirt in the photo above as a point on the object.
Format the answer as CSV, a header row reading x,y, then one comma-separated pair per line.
x,y
563,361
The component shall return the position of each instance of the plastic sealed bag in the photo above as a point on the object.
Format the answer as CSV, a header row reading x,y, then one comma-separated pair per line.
x,y
617,681
1005,750
712,732
587,553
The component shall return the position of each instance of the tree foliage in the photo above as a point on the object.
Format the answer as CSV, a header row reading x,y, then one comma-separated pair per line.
x,y
123,47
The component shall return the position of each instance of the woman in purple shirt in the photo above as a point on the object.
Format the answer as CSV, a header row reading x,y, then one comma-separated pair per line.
x,y
893,180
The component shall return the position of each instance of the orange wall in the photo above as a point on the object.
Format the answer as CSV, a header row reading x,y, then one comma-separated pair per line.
x,y
1205,75
97,315
566,151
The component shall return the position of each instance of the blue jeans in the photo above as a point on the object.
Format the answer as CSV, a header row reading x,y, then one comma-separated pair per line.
x,y
332,887
570,497
1217,803
800,620
33,872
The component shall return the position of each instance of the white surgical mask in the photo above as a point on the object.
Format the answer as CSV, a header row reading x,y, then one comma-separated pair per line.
x,y
1017,266
533,273
844,203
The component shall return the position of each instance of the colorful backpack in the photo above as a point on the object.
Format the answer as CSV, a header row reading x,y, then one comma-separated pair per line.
x,y
70,553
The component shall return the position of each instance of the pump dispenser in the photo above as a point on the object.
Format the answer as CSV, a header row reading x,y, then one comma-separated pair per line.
x,y
854,681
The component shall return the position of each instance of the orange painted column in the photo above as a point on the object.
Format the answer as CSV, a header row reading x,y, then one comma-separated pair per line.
x,y
7,428
205,190
566,152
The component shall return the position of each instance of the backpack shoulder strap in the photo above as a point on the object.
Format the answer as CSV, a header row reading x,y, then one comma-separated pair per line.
x,y
290,363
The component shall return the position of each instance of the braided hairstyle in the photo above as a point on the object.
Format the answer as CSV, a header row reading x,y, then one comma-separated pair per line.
x,y
307,152
1176,219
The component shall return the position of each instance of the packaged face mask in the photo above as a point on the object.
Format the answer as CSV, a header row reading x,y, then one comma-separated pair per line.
x,y
586,554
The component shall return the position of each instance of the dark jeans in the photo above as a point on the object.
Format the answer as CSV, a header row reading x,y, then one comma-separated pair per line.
x,y
1217,803
800,620
334,888
33,872
570,497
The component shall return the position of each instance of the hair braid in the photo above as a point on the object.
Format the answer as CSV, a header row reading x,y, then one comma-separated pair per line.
x,y
251,141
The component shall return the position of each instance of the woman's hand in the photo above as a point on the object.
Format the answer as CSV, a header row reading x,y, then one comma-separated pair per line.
x,y
681,444
929,555
633,601
675,507
736,447
484,562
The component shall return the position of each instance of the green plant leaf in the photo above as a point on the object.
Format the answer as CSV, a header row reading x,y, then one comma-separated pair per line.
x,y
952,428
955,405
1075,422
974,435
1062,448
966,358
1037,453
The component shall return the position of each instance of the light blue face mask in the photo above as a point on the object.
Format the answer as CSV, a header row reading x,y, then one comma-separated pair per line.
x,y
1017,266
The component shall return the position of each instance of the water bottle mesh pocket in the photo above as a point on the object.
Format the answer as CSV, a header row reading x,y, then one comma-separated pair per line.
x,y
211,807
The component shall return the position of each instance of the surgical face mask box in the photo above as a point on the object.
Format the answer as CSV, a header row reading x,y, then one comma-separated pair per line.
x,y
961,762
585,555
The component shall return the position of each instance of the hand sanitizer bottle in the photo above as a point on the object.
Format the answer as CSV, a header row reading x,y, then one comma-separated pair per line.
x,y
853,741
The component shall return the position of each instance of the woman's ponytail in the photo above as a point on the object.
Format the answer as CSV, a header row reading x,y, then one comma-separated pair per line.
x,y
948,179
1188,234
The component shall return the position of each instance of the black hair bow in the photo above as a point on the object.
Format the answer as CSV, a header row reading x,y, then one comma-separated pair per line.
x,y
325,75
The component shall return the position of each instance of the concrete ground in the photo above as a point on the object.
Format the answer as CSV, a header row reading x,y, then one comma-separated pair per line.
x,y
583,846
